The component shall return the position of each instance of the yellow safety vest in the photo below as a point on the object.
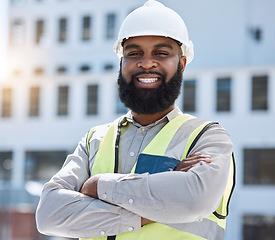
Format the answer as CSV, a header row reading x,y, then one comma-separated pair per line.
x,y
211,227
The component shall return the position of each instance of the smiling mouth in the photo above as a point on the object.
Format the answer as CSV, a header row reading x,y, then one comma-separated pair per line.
x,y
147,80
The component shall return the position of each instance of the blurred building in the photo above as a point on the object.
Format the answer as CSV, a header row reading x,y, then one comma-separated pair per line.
x,y
62,81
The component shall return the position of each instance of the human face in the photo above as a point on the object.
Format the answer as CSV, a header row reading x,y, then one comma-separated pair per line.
x,y
146,59
150,100
152,68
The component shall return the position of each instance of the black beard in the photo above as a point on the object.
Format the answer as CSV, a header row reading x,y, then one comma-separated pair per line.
x,y
150,101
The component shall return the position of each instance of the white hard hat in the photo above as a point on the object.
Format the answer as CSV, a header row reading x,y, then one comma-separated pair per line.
x,y
154,19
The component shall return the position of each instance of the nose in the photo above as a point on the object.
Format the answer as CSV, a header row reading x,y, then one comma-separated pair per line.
x,y
147,63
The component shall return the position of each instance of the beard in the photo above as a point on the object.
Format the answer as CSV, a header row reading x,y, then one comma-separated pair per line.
x,y
150,101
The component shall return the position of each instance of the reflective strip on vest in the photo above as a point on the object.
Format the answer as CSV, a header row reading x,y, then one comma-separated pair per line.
x,y
210,228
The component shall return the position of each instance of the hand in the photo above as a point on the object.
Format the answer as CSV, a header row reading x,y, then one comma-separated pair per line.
x,y
89,187
191,161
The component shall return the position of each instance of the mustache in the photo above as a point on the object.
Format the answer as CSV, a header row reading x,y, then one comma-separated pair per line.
x,y
148,72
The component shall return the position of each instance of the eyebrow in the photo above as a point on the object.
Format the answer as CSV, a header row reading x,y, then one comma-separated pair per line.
x,y
130,46
160,45
164,45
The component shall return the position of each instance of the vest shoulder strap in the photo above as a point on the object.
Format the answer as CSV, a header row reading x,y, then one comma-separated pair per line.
x,y
223,209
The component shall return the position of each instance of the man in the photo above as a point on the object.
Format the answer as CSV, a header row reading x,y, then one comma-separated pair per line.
x,y
154,173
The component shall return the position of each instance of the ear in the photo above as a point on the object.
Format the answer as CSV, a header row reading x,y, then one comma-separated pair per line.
x,y
182,63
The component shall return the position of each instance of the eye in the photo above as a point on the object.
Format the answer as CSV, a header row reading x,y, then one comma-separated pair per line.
x,y
161,53
133,54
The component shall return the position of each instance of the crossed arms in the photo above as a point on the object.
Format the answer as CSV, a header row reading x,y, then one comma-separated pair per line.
x,y
102,204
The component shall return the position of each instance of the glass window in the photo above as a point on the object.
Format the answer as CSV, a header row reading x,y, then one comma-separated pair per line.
x,y
256,33
39,31
92,99
108,67
258,227
42,165
62,30
6,102
16,73
38,71
86,28
189,95
259,166
223,94
34,101
110,26
63,100
61,70
259,92
5,165
17,33
85,68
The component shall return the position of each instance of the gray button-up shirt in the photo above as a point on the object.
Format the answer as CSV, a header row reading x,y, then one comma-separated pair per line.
x,y
168,197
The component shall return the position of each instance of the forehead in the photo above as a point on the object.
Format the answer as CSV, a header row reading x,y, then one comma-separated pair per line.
x,y
150,42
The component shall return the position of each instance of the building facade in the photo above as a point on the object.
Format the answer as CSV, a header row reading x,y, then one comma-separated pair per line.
x,y
61,81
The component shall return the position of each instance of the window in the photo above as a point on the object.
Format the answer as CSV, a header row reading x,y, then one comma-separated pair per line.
x,y
16,72
5,165
38,71
86,28
256,33
84,68
189,95
39,31
258,227
120,108
223,94
63,99
62,34
92,99
108,67
6,102
259,166
259,93
17,33
34,101
42,165
110,26
61,70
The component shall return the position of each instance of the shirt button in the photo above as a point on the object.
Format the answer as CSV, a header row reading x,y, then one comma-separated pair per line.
x,y
132,154
130,229
104,196
102,233
131,201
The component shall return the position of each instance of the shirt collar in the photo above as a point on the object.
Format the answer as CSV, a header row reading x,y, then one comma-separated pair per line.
x,y
170,116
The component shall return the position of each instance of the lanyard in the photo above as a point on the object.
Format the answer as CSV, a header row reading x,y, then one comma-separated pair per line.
x,y
117,145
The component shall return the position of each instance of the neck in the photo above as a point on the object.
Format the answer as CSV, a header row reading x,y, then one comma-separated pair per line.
x,y
147,119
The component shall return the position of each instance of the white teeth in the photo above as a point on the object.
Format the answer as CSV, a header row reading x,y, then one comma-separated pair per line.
x,y
148,80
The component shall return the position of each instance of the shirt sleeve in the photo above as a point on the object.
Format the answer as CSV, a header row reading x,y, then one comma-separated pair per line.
x,y
64,211
175,197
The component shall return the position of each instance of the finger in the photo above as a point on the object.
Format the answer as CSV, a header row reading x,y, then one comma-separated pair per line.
x,y
187,168
197,159
194,154
191,163
194,157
